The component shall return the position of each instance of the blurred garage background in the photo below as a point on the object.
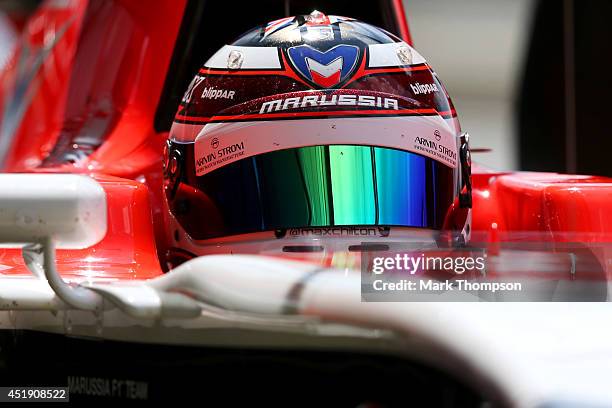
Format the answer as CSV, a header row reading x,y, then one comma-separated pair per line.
x,y
478,47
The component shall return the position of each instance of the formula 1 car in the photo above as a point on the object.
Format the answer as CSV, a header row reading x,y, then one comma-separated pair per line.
x,y
94,295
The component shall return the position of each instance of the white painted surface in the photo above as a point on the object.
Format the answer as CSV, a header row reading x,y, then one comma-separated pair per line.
x,y
385,55
254,57
69,208
397,132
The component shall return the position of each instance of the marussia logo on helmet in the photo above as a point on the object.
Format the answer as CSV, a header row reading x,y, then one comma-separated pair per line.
x,y
324,69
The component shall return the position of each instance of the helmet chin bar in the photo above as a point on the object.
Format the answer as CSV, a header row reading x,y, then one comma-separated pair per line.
x,y
312,241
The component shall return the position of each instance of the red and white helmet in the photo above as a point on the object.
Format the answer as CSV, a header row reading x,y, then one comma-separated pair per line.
x,y
309,127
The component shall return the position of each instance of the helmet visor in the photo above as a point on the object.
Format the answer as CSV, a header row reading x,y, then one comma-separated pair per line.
x,y
317,186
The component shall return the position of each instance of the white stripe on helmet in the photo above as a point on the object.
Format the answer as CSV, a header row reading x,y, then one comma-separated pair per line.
x,y
219,144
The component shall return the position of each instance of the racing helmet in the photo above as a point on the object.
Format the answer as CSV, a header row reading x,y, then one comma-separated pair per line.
x,y
314,126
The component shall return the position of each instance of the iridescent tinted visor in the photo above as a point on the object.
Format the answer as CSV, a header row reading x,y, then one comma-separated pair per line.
x,y
316,186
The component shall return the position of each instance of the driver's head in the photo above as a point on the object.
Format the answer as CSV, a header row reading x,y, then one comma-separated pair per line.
x,y
314,126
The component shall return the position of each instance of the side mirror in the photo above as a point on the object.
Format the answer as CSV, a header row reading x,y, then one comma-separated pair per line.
x,y
67,208
41,211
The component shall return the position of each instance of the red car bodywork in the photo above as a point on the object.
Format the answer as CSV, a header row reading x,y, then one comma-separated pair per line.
x,y
107,84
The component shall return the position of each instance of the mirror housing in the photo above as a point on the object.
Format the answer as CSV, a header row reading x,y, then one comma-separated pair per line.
x,y
70,209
